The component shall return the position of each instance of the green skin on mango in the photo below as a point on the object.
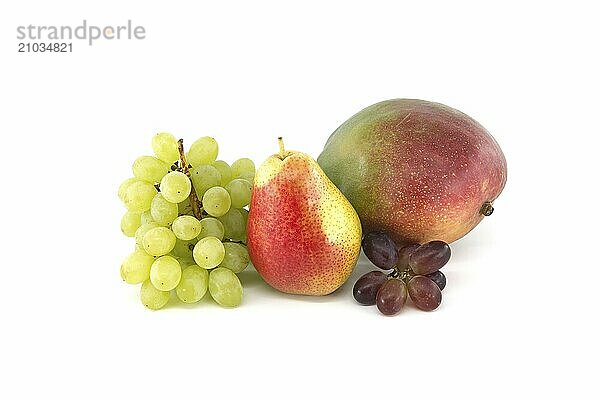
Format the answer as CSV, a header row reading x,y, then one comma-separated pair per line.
x,y
418,170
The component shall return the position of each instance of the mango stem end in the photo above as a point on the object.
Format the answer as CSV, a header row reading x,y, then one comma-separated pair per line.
x,y
486,209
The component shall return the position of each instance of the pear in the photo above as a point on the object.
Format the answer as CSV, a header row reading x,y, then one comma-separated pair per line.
x,y
303,234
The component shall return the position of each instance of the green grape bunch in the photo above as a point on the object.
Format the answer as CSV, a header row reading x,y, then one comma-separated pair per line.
x,y
187,213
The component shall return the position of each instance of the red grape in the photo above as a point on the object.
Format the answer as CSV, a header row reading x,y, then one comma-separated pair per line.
x,y
404,254
439,278
424,293
429,257
366,287
380,249
391,297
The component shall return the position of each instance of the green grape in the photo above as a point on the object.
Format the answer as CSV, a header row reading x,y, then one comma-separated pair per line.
x,y
204,177
236,257
130,222
165,273
243,168
136,267
225,287
203,151
186,262
124,186
150,169
209,252
146,217
211,227
122,272
224,170
165,147
163,211
175,187
159,241
234,224
138,196
153,298
245,215
184,248
240,191
141,231
193,284
186,227
247,178
216,201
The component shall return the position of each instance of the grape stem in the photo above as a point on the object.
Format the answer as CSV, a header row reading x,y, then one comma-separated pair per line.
x,y
404,275
185,168
233,241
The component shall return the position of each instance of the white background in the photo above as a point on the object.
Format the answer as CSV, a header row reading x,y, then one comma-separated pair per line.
x,y
518,315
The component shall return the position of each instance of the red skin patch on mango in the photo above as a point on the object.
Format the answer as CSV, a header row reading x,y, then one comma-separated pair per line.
x,y
286,242
439,193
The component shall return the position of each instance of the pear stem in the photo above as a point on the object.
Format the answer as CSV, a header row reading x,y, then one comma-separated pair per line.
x,y
281,148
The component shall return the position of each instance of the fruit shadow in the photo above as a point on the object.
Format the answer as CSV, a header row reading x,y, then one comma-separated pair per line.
x,y
253,281
207,300
471,246
250,278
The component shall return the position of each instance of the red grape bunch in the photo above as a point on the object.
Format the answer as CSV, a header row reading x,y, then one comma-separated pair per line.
x,y
414,272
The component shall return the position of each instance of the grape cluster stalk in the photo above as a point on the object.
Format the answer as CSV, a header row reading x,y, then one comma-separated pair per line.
x,y
187,213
